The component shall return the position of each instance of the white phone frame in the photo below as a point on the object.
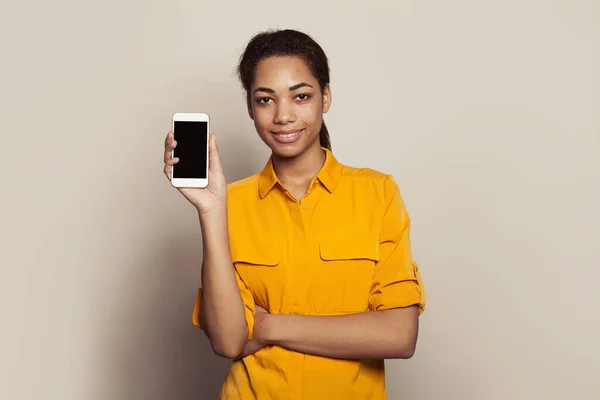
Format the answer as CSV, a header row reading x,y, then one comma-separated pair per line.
x,y
191,182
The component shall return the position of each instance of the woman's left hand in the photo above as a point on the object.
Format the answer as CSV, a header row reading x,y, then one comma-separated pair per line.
x,y
257,343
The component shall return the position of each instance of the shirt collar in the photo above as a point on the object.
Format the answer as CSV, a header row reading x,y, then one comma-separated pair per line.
x,y
329,175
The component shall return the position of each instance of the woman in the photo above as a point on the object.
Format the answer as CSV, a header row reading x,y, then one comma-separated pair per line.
x,y
308,281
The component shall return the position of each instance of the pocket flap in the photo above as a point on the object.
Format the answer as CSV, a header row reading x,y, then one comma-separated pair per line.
x,y
349,250
257,255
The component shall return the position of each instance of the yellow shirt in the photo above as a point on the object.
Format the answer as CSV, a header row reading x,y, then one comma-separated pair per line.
x,y
344,248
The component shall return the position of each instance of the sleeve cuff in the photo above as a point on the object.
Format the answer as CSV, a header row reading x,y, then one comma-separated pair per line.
x,y
248,311
401,294
398,295
196,312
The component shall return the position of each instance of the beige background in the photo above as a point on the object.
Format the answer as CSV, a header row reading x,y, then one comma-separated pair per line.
x,y
486,112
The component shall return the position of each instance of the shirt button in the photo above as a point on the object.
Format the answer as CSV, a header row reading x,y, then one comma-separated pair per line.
x,y
305,206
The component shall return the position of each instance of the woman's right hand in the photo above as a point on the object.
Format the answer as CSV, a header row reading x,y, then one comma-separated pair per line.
x,y
212,197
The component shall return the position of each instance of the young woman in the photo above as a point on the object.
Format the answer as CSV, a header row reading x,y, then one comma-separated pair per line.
x,y
308,282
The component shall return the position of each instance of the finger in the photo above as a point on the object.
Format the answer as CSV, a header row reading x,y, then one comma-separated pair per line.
x,y
169,147
214,160
212,142
169,138
172,161
167,171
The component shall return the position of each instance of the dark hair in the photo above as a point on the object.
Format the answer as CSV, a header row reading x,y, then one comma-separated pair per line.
x,y
285,43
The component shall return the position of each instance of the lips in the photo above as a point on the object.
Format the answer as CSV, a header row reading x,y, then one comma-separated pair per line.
x,y
289,136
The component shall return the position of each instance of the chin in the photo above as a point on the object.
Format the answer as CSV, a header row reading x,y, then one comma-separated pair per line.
x,y
286,150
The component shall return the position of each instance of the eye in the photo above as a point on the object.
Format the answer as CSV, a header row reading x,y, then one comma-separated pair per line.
x,y
303,96
263,100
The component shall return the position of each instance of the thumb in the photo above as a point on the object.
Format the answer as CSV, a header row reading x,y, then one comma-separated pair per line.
x,y
214,160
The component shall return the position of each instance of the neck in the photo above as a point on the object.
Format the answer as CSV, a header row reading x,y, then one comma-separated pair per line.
x,y
300,170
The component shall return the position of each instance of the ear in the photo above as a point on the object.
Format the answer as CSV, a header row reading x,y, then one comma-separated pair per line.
x,y
250,113
326,99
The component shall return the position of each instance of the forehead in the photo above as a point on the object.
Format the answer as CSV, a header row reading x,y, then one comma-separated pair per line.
x,y
282,72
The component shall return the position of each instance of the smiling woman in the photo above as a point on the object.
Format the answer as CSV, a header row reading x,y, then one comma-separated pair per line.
x,y
289,135
287,65
288,106
308,280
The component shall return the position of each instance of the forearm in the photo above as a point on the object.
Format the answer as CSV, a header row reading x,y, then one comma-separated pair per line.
x,y
222,313
374,334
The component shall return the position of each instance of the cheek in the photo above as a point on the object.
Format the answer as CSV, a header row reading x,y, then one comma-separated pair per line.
x,y
311,114
263,118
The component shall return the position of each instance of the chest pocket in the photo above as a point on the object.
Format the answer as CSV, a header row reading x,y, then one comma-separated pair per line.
x,y
259,268
343,277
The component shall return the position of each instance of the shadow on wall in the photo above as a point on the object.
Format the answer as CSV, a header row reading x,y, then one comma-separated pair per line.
x,y
152,350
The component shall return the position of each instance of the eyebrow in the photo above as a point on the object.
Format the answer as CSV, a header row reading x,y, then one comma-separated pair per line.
x,y
291,89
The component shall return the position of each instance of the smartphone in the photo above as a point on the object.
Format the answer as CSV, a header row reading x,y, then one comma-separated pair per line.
x,y
191,132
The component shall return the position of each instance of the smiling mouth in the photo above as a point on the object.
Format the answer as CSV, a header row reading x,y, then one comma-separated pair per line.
x,y
287,136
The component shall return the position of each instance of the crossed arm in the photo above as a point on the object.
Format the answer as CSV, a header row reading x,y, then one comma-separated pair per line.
x,y
373,334
389,331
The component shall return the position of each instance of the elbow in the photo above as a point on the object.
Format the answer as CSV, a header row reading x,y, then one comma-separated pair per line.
x,y
405,345
403,351
407,351
227,346
229,351
404,337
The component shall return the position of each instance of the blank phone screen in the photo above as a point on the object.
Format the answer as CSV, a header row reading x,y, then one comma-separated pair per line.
x,y
191,138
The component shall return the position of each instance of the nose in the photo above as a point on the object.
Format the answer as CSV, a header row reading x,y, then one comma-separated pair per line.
x,y
284,113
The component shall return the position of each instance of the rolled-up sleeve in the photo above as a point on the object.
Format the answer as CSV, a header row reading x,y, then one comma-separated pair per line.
x,y
397,279
247,299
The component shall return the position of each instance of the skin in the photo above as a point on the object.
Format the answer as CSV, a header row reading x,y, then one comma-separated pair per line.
x,y
274,108
284,97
